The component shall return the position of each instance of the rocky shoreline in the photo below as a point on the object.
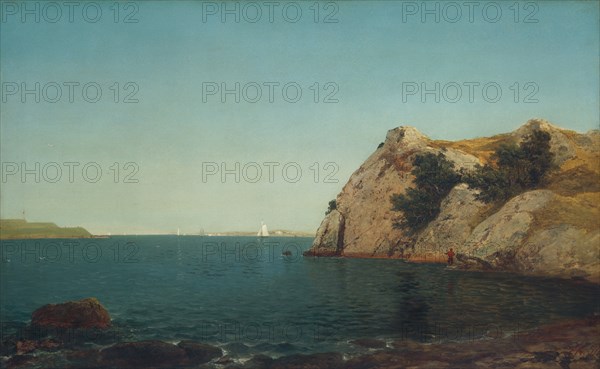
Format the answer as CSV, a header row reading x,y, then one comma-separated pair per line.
x,y
549,231
570,344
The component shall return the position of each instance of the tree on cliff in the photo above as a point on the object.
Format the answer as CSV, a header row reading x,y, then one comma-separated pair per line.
x,y
332,206
434,178
513,169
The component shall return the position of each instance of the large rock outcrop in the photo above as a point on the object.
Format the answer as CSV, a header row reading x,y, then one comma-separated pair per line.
x,y
363,224
458,216
158,354
329,237
552,231
82,314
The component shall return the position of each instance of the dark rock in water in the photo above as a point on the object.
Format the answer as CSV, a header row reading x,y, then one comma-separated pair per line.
x,y
144,354
471,262
200,353
369,343
19,361
8,346
27,346
329,360
83,358
157,354
86,313
259,362
225,360
236,348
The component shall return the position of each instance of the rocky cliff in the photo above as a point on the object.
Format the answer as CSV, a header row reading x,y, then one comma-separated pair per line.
x,y
552,231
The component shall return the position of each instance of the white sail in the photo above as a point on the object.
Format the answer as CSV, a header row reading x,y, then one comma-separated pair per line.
x,y
263,232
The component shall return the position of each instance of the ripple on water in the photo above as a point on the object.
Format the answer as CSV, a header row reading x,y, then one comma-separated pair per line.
x,y
173,294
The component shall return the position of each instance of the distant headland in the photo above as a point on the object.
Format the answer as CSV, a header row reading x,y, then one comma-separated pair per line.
x,y
11,229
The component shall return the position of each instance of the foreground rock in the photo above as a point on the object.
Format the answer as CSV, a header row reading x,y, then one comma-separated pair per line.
x,y
158,354
84,314
328,360
572,344
551,232
125,355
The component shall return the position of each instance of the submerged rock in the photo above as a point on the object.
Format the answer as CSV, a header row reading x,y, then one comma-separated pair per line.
x,y
158,354
200,353
86,313
258,362
144,354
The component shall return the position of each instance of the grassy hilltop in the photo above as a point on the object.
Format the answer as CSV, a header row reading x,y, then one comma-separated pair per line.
x,y
21,229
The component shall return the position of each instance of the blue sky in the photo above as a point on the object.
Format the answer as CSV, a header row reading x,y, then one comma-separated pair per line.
x,y
372,51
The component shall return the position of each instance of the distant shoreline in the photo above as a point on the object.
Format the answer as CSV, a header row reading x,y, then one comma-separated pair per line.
x,y
21,229
12,229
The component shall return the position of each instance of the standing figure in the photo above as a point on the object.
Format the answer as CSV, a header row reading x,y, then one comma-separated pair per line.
x,y
450,256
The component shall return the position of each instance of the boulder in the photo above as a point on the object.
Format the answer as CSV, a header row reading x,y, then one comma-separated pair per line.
x,y
158,354
459,213
328,360
508,228
143,354
328,240
200,353
85,314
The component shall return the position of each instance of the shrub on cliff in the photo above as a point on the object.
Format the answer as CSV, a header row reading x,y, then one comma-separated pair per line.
x,y
434,178
514,169
332,206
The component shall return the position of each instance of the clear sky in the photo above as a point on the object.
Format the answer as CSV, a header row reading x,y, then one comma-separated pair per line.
x,y
369,56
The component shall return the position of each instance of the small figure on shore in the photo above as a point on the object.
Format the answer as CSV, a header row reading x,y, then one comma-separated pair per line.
x,y
450,256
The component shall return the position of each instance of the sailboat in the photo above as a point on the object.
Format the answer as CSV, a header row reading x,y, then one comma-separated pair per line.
x,y
263,231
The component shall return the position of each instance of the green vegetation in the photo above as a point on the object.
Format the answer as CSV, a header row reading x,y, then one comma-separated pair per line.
x,y
332,206
434,178
514,169
21,229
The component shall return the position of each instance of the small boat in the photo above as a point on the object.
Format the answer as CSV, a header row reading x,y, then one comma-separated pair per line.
x,y
263,231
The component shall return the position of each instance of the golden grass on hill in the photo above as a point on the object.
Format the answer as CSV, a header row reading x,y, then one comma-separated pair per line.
x,y
580,210
483,147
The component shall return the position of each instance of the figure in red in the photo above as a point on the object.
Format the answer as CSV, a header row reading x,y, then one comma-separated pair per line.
x,y
450,256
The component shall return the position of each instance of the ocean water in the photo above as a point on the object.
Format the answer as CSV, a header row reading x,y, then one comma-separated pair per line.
x,y
243,294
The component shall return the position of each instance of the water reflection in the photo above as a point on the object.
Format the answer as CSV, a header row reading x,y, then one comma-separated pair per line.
x,y
411,319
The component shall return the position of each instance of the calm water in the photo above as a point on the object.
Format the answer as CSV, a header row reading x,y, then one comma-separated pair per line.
x,y
245,296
